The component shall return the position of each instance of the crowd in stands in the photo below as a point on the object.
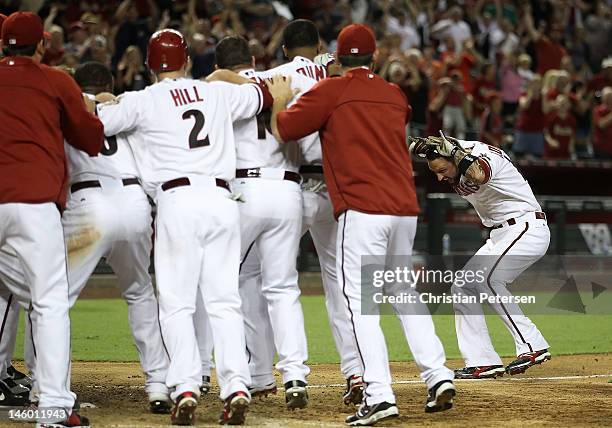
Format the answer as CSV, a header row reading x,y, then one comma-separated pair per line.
x,y
532,76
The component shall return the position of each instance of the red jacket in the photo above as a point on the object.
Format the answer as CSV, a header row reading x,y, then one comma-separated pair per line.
x,y
40,107
362,120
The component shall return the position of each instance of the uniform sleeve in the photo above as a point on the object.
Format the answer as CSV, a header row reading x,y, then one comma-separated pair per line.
x,y
81,129
309,113
245,101
122,115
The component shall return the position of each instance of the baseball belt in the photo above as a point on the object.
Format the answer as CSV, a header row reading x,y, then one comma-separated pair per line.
x,y
511,221
256,173
90,184
184,181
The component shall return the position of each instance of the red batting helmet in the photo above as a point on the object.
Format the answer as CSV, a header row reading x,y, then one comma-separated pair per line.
x,y
167,51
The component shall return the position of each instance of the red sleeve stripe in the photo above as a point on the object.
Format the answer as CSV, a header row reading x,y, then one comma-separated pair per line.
x,y
486,167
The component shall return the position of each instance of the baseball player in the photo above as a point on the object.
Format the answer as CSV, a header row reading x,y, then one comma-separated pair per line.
x,y
184,149
485,176
41,108
98,222
270,220
361,119
301,45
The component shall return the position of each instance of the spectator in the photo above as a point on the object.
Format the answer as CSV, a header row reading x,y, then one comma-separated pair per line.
x,y
602,126
454,27
98,51
202,56
511,87
548,47
399,23
556,82
603,78
529,135
131,73
560,131
599,33
524,69
54,54
581,110
453,110
463,61
417,91
491,122
485,84
132,29
78,39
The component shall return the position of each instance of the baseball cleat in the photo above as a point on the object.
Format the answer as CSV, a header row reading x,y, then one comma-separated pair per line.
x,y
296,396
440,397
354,390
481,372
16,388
10,399
206,385
184,409
18,377
74,421
160,403
526,360
235,409
263,391
369,415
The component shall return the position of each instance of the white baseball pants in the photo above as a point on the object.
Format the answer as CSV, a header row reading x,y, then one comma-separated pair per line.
x,y
359,235
270,221
197,250
508,252
35,233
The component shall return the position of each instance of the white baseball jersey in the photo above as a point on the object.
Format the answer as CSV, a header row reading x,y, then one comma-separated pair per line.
x,y
114,161
506,195
304,75
256,147
183,127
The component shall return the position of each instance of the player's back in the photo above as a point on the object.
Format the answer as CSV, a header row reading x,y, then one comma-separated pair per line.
x,y
183,127
304,74
256,147
114,161
506,195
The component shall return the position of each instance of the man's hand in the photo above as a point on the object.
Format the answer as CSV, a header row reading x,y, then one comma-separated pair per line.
x,y
280,89
89,104
443,146
418,146
105,97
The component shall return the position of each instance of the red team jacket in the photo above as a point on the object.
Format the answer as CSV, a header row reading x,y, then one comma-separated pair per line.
x,y
40,107
361,119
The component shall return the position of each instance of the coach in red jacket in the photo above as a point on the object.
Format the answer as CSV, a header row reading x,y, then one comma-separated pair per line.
x,y
40,108
362,119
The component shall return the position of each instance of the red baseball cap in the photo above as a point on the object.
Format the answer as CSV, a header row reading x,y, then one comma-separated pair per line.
x,y
356,39
22,29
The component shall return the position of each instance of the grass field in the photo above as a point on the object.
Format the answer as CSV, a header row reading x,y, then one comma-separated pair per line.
x,y
100,333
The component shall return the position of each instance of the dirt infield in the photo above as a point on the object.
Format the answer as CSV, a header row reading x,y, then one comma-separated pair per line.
x,y
558,393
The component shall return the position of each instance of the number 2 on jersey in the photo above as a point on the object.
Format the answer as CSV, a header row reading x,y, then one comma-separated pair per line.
x,y
194,142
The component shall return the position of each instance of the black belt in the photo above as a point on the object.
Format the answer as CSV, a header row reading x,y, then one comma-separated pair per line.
x,y
511,222
184,181
95,183
256,172
311,169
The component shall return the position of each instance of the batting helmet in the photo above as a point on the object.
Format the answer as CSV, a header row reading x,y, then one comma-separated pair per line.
x,y
167,51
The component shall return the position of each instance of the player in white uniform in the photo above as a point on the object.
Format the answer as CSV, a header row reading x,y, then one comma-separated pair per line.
x,y
267,179
184,149
485,176
108,215
301,45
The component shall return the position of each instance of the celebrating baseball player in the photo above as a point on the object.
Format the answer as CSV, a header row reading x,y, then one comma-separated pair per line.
x,y
41,108
270,219
301,45
361,119
184,149
485,177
